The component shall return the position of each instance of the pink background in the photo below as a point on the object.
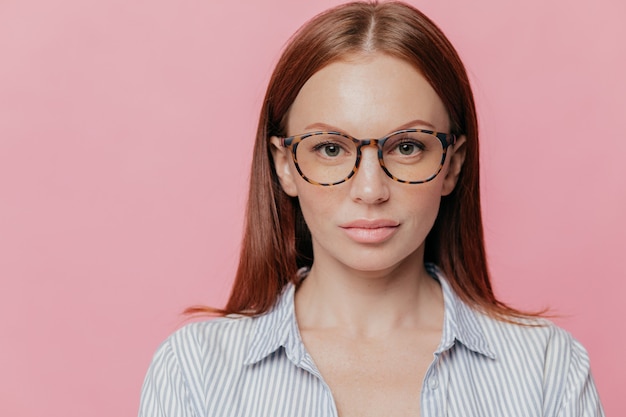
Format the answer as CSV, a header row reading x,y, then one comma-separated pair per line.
x,y
125,136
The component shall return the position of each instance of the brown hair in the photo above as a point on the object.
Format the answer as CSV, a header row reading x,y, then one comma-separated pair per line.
x,y
277,242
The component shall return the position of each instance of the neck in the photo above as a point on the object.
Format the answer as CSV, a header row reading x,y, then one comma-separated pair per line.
x,y
366,303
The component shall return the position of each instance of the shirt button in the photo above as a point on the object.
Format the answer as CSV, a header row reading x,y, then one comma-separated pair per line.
x,y
433,383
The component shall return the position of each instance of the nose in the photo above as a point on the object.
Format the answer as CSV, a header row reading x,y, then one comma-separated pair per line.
x,y
370,184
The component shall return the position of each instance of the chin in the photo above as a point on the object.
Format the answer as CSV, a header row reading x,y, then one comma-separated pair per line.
x,y
374,265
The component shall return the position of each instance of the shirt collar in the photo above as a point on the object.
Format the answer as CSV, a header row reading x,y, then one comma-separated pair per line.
x,y
279,328
275,329
461,322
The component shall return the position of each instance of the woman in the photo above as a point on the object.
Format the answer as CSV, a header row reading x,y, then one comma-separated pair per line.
x,y
362,288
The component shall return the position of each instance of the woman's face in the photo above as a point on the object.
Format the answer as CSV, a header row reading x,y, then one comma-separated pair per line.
x,y
370,222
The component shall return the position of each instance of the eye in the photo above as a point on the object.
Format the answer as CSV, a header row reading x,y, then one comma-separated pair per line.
x,y
328,149
408,147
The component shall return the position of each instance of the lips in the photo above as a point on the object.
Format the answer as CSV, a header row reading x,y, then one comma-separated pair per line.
x,y
370,231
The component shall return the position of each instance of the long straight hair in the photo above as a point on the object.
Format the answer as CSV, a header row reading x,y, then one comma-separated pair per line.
x,y
276,240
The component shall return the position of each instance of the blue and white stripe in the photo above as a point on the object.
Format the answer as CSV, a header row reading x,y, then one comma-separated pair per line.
x,y
252,367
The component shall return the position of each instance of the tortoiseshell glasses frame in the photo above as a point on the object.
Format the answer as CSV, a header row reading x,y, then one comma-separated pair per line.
x,y
445,139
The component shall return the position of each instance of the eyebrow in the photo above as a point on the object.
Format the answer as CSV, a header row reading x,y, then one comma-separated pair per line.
x,y
408,125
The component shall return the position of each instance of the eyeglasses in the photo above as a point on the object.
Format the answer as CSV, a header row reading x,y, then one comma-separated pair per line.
x,y
411,156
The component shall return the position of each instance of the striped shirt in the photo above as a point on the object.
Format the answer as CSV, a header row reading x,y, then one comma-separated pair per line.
x,y
252,367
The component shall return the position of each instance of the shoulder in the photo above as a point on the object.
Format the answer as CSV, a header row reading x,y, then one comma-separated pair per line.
x,y
192,359
225,338
200,351
539,333
536,332
540,339
546,356
214,329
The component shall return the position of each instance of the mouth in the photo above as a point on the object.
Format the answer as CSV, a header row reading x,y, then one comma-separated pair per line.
x,y
370,231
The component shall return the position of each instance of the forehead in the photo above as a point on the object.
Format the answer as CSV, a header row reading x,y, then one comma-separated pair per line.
x,y
367,96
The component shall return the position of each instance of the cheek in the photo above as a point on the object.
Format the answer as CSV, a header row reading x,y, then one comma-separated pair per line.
x,y
423,204
321,206
316,203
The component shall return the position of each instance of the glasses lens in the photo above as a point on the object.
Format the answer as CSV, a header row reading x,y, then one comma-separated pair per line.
x,y
326,158
412,156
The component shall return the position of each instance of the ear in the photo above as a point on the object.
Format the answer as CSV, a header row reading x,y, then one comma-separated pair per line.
x,y
282,157
457,157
